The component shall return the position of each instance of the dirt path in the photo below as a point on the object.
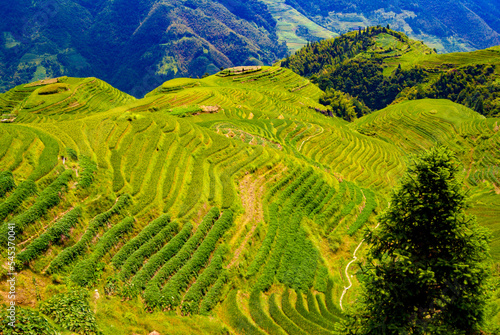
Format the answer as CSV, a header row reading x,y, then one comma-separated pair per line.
x,y
346,288
251,192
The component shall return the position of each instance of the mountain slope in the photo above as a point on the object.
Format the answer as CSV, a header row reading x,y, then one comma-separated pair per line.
x,y
445,25
137,45
227,203
133,45
377,67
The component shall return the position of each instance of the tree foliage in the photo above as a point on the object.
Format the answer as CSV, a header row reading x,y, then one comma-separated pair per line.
x,y
427,263
318,56
472,86
343,105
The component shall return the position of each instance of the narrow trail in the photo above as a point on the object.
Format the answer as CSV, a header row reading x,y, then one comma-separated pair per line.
x,y
354,259
254,190
346,288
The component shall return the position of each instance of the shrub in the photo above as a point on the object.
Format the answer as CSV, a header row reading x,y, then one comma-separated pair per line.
x,y
266,280
68,255
266,246
149,269
145,235
295,185
72,311
6,183
53,89
176,262
27,322
335,204
180,280
136,260
47,199
300,257
13,201
318,202
213,295
72,154
185,110
191,301
328,197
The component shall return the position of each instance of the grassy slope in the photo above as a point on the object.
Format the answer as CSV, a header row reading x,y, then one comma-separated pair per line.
x,y
265,129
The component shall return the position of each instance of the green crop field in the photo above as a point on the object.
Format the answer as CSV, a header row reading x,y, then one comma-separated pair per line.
x,y
220,205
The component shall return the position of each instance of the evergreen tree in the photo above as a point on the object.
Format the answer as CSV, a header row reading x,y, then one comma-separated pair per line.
x,y
428,264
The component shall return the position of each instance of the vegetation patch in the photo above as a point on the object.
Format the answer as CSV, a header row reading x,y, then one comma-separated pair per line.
x,y
72,312
239,70
53,89
27,321
43,82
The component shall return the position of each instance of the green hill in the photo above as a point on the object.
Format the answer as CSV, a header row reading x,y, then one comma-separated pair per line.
x,y
378,67
214,205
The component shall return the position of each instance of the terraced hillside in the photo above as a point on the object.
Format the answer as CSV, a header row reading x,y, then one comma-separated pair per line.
x,y
214,205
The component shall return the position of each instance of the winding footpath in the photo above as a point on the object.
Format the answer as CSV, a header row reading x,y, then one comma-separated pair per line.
x,y
346,288
354,259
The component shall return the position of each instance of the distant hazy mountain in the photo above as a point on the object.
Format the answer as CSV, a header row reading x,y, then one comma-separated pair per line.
x,y
137,44
447,25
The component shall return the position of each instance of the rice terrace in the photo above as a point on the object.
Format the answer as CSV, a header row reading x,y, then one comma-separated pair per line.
x,y
228,204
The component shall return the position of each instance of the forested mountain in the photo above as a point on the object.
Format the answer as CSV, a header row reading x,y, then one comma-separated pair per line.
x,y
377,66
135,45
